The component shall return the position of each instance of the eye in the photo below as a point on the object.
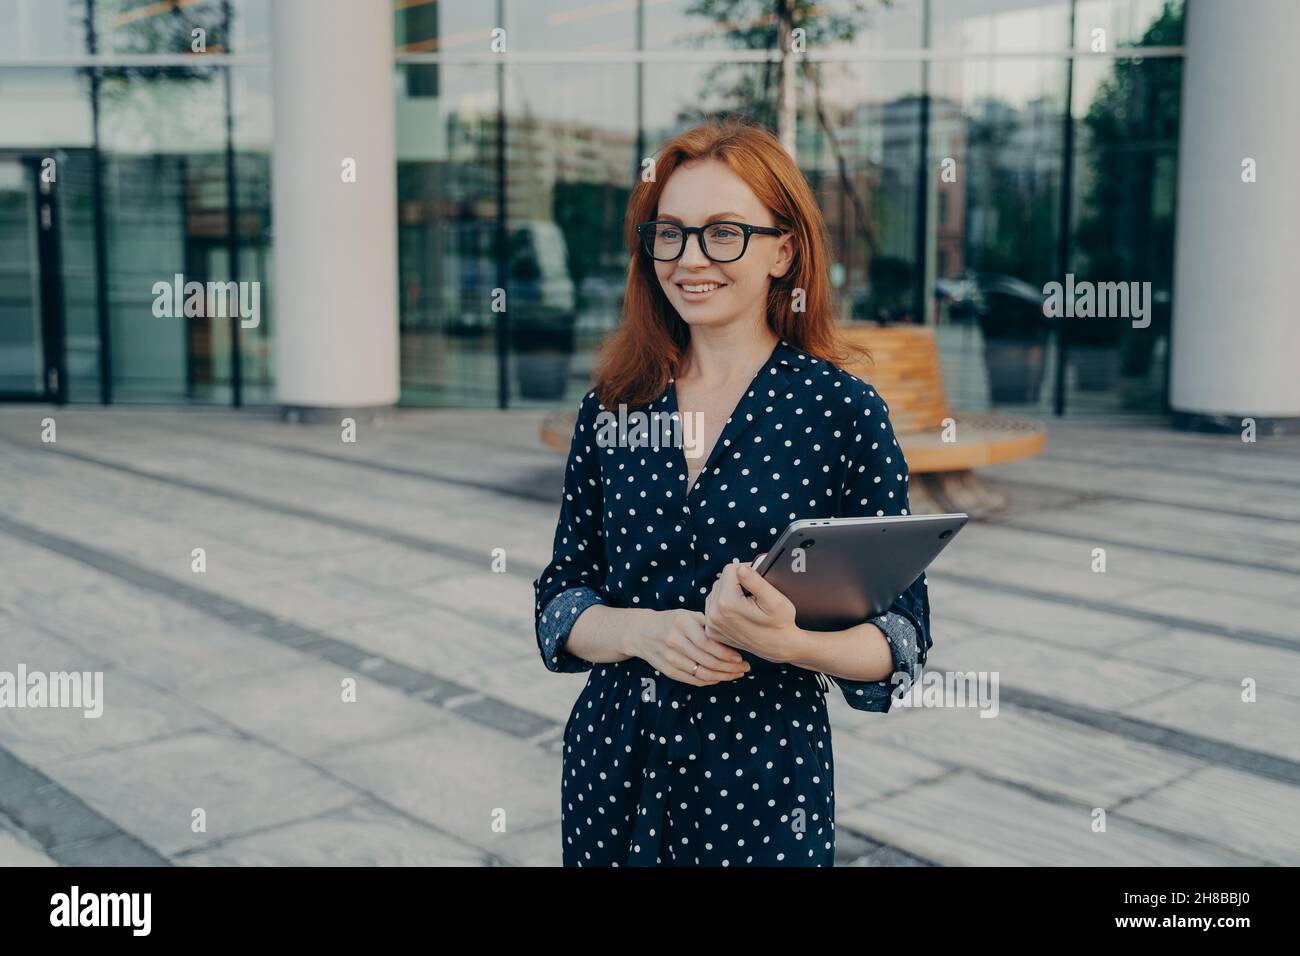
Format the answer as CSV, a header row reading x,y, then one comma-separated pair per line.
x,y
724,233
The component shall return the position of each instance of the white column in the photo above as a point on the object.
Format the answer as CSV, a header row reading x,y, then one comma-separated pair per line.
x,y
1236,319
335,242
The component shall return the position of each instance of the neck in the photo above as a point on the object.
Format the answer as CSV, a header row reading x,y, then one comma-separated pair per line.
x,y
718,354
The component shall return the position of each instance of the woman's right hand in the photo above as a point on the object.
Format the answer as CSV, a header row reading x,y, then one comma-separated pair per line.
x,y
676,646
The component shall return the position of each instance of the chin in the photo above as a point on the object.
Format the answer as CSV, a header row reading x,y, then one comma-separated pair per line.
x,y
694,315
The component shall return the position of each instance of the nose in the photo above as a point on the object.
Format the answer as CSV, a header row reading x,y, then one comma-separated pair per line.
x,y
694,258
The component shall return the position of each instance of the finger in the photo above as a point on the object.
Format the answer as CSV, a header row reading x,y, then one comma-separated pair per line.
x,y
696,633
695,655
717,635
664,665
727,589
762,591
733,600
690,674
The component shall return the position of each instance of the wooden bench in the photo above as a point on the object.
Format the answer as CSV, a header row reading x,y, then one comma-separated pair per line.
x,y
905,371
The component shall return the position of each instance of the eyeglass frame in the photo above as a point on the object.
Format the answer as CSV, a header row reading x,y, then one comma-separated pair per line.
x,y
746,228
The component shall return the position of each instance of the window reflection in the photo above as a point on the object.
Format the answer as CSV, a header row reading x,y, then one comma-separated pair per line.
x,y
447,212
860,134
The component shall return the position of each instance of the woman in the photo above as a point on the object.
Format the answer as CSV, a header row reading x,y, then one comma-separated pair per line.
x,y
702,737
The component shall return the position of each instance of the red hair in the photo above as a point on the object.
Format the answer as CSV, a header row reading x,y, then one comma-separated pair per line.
x,y
647,348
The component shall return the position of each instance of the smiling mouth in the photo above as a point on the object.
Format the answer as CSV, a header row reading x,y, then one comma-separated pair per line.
x,y
699,288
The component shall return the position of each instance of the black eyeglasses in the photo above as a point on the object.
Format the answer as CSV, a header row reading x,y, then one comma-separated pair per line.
x,y
722,241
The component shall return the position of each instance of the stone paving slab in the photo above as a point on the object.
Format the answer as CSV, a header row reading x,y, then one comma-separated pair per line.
x,y
963,820
458,777
1052,622
301,707
133,713
538,846
243,785
17,848
1082,676
1230,808
359,834
1041,752
1228,610
454,645
1220,659
1047,563
870,770
1131,523
16,852
1218,712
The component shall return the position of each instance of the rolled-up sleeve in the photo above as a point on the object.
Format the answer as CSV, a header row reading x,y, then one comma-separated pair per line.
x,y
876,486
572,581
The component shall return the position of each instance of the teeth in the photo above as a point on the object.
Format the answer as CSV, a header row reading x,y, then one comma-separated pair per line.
x,y
706,287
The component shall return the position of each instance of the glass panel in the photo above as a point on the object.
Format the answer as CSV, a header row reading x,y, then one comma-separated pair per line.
x,y
147,26
682,25
251,95
163,134
859,143
852,25
77,253
428,26
1128,23
1126,169
571,163
571,25
251,29
22,355
718,25
997,127
42,28
44,108
447,214
1003,25
45,114
677,96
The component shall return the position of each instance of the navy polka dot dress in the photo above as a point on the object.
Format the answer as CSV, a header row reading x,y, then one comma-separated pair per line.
x,y
657,772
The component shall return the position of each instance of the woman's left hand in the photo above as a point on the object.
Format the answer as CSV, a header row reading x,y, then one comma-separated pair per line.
x,y
762,623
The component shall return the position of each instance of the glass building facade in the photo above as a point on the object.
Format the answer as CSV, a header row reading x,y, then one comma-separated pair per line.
x,y
965,153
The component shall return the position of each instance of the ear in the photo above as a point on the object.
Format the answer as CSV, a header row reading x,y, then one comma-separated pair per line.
x,y
784,256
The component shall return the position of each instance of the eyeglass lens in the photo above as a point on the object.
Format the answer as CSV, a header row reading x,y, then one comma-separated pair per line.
x,y
721,241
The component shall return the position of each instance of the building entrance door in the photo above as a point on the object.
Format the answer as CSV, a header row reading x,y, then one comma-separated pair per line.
x,y
31,326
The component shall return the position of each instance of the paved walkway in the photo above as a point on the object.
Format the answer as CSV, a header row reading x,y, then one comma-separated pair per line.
x,y
225,738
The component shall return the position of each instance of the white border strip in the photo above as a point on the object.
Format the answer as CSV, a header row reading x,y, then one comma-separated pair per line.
x,y
112,60
606,56
763,56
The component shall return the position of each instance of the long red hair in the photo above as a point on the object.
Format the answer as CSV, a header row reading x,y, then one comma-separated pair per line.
x,y
648,346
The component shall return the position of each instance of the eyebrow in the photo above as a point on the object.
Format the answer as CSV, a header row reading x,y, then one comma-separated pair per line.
x,y
714,218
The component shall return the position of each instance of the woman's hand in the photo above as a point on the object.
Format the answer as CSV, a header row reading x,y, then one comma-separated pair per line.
x,y
675,645
762,623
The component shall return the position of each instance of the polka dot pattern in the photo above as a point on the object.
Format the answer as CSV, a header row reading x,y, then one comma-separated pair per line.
x,y
661,773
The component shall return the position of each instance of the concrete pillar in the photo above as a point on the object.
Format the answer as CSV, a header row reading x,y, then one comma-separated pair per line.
x,y
1236,319
335,242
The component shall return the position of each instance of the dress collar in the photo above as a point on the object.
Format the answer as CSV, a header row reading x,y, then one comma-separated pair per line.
x,y
751,410
788,357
